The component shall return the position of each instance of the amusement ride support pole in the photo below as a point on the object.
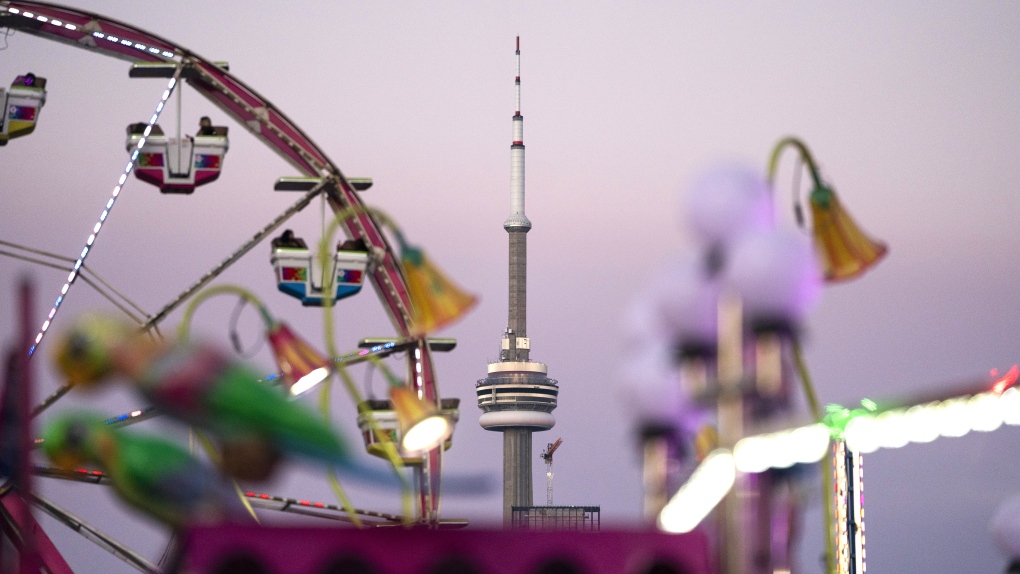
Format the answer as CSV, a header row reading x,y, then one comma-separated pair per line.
x,y
731,428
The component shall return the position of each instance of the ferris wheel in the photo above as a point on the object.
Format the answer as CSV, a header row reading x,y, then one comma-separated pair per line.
x,y
177,163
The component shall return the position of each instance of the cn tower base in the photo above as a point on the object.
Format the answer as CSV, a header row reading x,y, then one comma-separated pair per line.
x,y
516,471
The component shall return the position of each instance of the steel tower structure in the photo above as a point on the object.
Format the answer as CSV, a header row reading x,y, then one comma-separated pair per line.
x,y
517,398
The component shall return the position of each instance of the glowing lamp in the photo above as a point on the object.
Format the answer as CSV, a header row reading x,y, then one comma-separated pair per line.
x,y
435,300
728,202
777,276
679,309
422,427
650,385
301,365
685,299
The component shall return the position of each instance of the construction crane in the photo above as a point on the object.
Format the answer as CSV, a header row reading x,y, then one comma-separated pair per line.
x,y
547,456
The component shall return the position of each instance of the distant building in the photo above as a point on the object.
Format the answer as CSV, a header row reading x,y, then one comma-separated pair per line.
x,y
579,518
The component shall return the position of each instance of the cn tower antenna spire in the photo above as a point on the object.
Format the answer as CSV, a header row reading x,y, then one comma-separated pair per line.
x,y
517,220
518,79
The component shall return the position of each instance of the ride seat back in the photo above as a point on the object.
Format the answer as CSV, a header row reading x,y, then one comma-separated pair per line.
x,y
179,157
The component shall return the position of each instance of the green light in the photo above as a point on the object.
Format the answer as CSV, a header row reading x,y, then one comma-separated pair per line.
x,y
838,416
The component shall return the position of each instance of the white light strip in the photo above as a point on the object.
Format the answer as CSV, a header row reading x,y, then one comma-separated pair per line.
x,y
124,42
41,18
802,445
102,217
954,417
707,486
859,550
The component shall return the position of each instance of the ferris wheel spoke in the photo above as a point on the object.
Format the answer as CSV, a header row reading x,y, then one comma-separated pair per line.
x,y
233,257
134,417
320,509
96,536
106,211
85,272
260,500
48,401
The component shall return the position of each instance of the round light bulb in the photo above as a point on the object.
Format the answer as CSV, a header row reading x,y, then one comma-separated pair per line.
x,y
777,275
427,434
686,302
727,202
308,381
650,384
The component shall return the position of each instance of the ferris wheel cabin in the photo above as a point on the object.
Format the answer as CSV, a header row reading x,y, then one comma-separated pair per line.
x,y
21,105
178,165
299,274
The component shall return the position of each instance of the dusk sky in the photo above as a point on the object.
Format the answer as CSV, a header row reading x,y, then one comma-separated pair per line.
x,y
910,108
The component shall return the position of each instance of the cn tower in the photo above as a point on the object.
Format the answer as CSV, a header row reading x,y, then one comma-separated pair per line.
x,y
517,398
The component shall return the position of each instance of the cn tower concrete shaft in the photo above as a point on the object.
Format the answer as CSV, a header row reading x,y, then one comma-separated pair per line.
x,y
517,321
517,487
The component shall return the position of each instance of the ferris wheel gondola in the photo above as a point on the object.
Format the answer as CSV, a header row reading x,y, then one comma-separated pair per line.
x,y
21,105
178,165
299,275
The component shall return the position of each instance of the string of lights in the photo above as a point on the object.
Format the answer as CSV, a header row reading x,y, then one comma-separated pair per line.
x,y
106,212
258,499
140,46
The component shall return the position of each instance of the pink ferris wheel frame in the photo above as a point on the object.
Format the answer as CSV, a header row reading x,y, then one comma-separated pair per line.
x,y
259,116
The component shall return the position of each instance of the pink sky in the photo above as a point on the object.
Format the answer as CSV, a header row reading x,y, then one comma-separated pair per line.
x,y
909,107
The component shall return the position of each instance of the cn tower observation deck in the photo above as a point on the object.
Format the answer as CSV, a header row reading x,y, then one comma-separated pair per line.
x,y
517,394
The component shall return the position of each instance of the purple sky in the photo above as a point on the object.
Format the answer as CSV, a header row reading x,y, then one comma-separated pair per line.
x,y
910,108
